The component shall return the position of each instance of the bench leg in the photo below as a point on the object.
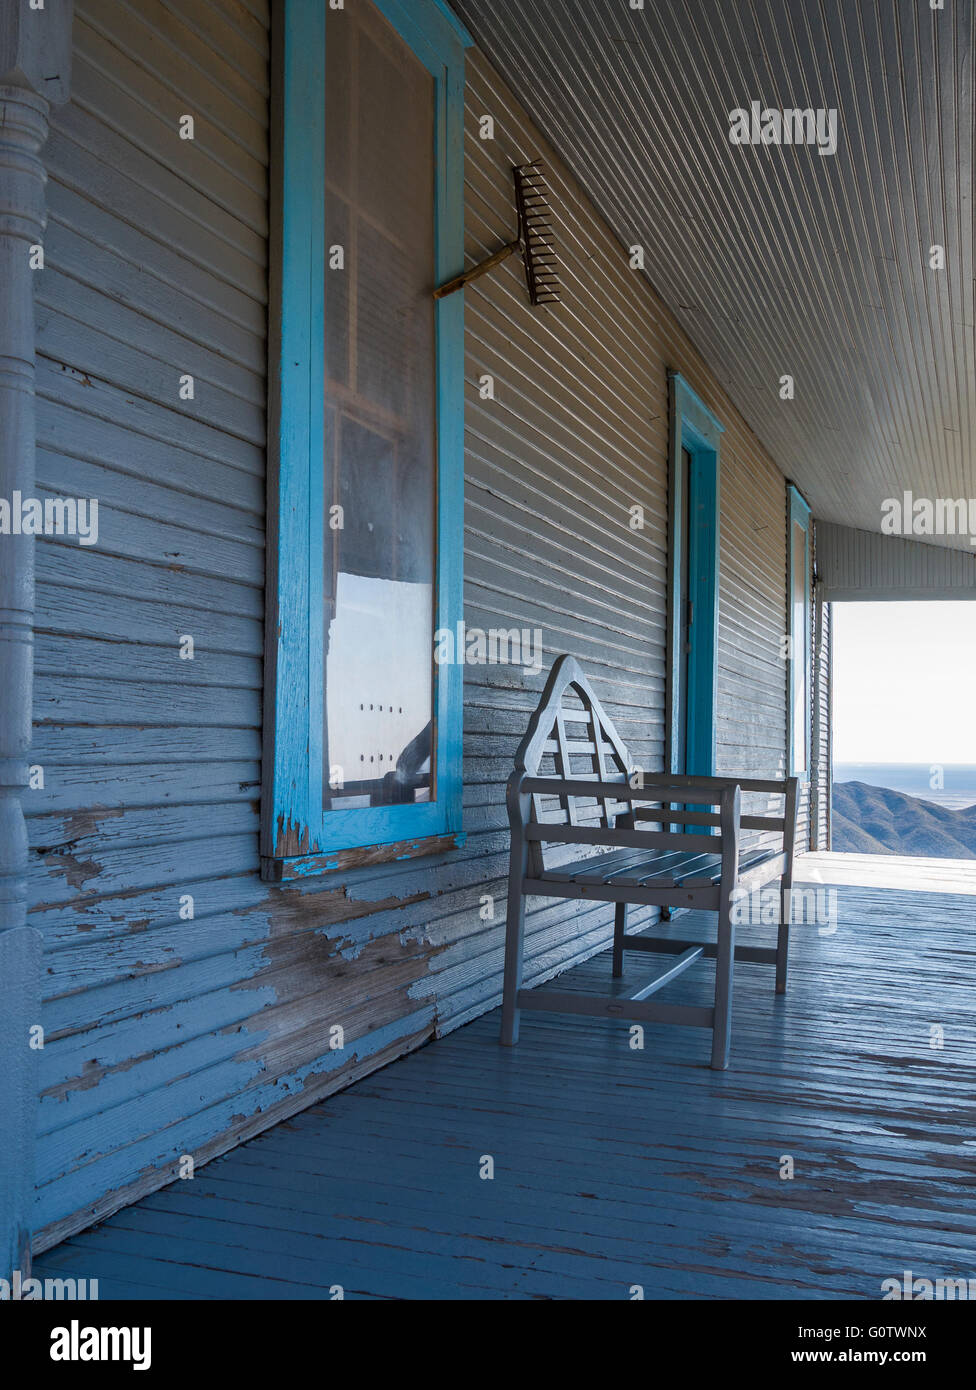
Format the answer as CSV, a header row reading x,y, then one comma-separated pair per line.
x,y
783,934
514,936
725,957
619,927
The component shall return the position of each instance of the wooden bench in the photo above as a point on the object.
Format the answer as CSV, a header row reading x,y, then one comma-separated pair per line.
x,y
574,785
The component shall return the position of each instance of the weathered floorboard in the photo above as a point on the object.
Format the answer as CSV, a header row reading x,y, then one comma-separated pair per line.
x,y
616,1167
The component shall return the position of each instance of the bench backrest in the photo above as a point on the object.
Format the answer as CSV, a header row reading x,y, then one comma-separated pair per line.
x,y
570,735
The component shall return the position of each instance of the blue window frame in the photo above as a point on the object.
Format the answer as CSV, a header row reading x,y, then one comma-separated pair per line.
x,y
799,647
695,474
300,834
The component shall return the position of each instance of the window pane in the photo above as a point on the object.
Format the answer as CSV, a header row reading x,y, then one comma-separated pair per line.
x,y
380,464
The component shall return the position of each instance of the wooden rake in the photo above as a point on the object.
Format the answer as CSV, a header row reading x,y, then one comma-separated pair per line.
x,y
534,241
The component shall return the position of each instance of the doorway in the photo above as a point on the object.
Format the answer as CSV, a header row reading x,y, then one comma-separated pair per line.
x,y
694,582
904,746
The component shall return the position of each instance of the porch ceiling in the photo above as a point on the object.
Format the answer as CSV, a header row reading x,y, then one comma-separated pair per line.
x,y
777,260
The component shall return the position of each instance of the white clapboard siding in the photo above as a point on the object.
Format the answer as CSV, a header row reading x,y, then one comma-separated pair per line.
x,y
169,1034
865,566
156,256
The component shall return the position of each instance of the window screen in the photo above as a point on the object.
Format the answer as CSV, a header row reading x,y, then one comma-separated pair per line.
x,y
380,416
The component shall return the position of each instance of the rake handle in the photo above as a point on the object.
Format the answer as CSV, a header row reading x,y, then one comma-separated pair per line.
x,y
477,271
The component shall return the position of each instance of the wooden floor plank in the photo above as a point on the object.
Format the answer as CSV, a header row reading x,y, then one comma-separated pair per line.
x,y
615,1166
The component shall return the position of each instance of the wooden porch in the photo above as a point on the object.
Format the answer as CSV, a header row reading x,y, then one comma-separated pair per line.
x,y
616,1167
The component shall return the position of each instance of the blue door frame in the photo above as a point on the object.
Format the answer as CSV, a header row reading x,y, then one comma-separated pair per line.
x,y
800,646
692,696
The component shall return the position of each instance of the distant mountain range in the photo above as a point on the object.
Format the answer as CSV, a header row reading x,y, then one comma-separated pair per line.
x,y
875,820
945,784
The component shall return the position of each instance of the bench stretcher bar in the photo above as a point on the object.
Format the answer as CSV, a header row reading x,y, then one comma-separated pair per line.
x,y
557,1001
663,945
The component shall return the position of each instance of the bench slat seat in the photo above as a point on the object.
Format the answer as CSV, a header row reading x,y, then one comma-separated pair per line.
x,y
662,870
691,859
636,867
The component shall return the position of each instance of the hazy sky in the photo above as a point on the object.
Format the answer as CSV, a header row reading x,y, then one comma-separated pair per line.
x,y
905,682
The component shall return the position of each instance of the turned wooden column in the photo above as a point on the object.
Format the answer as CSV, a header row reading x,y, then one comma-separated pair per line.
x,y
35,57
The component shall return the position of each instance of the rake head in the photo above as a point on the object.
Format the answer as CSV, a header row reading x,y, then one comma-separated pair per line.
x,y
535,233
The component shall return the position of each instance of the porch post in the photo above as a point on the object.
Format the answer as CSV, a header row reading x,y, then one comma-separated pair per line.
x,y
35,61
